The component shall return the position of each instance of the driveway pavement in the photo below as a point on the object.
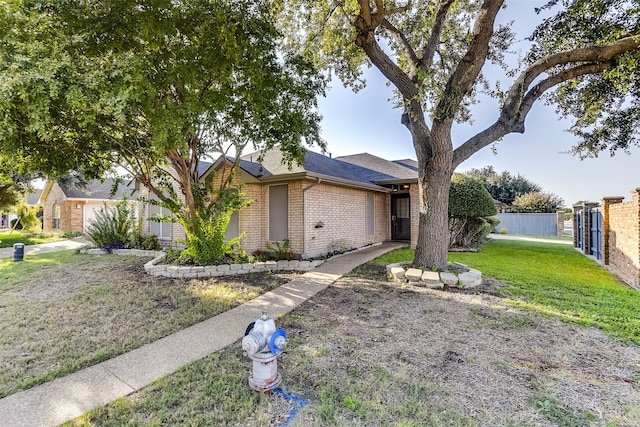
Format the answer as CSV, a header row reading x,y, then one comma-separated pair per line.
x,y
46,247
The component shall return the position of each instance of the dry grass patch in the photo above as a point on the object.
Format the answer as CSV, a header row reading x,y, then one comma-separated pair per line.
x,y
365,352
368,353
69,314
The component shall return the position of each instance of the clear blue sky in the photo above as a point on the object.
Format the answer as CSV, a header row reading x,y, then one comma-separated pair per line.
x,y
366,122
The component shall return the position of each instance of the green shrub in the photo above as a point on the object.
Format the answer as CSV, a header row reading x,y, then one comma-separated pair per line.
x,y
503,231
471,212
15,224
113,227
147,243
71,234
469,198
282,250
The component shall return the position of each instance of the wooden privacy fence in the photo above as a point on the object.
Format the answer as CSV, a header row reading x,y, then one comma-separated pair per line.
x,y
609,232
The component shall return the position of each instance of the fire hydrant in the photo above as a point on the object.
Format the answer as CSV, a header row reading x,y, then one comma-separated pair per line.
x,y
263,343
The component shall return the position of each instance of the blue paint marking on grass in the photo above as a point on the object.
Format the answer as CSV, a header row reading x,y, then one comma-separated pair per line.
x,y
299,404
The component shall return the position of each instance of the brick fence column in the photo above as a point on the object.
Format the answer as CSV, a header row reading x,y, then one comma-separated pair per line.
x,y
606,226
560,223
636,204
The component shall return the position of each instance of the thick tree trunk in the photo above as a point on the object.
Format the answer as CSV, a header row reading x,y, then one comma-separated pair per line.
x,y
434,180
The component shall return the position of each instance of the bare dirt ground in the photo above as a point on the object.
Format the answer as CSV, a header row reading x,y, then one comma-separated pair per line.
x,y
369,352
68,316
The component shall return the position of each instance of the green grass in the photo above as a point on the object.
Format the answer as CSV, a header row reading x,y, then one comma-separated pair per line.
x,y
8,239
32,267
554,280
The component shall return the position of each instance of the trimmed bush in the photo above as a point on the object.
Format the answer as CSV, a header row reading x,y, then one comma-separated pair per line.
x,y
471,212
469,198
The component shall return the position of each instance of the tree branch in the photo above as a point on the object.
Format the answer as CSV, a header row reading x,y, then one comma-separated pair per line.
x,y
393,11
468,69
404,44
365,15
513,121
429,50
587,54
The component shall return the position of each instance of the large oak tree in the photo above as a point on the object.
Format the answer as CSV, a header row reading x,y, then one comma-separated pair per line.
x,y
584,58
85,84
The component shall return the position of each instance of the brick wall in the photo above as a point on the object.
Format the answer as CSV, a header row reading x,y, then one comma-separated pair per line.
x,y
56,197
252,220
341,210
336,218
621,238
620,243
76,216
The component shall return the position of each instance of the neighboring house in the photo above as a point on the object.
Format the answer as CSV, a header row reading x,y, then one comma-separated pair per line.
x,y
32,200
324,205
501,207
72,208
5,219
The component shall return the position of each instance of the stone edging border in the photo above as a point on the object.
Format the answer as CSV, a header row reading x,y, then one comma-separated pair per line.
x,y
195,272
434,279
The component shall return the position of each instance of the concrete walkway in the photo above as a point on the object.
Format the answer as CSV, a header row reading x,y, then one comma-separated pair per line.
x,y
66,398
44,248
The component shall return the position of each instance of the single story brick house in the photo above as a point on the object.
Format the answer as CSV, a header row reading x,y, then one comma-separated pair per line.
x,y
324,205
71,207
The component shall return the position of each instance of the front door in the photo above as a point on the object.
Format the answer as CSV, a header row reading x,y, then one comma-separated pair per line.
x,y
400,217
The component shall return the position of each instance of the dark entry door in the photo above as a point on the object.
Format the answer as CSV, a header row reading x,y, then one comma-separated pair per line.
x,y
400,217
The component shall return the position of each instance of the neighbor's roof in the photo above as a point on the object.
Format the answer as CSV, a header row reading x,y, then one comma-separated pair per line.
x,y
34,198
96,190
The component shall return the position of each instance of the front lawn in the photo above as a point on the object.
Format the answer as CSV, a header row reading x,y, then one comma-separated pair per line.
x,y
553,279
62,311
370,352
9,238
559,281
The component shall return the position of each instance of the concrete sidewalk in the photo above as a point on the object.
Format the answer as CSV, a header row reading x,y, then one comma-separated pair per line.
x,y
46,247
66,398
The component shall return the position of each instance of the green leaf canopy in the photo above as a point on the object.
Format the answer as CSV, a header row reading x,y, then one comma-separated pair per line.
x,y
84,84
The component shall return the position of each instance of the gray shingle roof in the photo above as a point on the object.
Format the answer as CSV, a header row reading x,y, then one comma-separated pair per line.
x,y
394,170
203,167
409,163
32,199
319,164
100,191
